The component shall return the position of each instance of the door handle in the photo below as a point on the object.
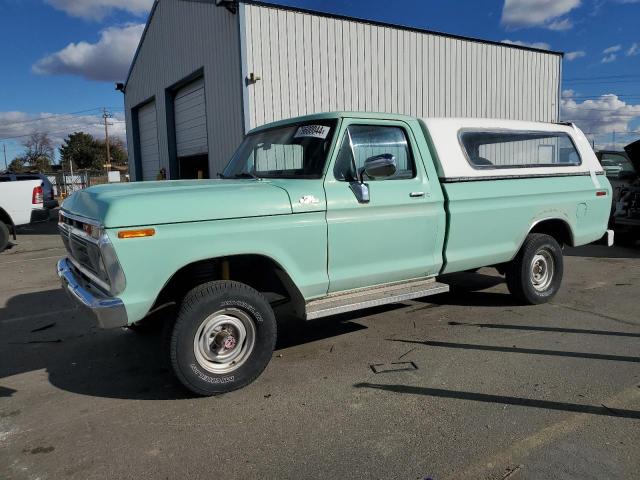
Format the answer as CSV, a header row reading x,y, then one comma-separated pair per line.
x,y
416,194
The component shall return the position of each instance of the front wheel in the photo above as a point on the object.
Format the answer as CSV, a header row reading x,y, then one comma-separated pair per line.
x,y
223,338
4,236
535,275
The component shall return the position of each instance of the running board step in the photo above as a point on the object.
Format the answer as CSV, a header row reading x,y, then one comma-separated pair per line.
x,y
373,297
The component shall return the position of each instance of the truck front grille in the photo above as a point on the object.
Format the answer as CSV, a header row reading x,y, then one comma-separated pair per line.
x,y
85,253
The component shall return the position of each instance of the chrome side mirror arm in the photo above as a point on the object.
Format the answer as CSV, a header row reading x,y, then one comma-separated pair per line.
x,y
360,190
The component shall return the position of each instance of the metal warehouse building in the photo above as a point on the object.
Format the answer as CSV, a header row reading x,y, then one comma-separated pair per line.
x,y
206,72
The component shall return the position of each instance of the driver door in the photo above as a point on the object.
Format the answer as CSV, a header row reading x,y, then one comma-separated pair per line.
x,y
393,236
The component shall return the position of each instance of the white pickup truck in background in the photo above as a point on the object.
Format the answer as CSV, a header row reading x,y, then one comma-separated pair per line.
x,y
21,203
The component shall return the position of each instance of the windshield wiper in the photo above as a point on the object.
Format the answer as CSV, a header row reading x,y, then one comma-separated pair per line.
x,y
245,175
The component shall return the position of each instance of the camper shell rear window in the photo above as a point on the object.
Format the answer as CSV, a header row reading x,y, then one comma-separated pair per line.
x,y
499,149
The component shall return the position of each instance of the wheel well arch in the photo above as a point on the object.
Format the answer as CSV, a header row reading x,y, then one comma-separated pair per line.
x,y
258,271
6,218
557,228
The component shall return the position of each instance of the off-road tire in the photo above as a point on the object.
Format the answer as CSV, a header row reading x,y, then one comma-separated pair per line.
x,y
4,236
196,311
522,282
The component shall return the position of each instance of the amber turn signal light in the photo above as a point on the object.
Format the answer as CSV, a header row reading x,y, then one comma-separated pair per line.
x,y
145,232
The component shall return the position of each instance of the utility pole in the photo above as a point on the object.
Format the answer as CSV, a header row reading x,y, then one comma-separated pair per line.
x,y
4,147
106,115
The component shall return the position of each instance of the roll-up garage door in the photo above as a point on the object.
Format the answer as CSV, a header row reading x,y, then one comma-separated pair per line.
x,y
191,120
148,129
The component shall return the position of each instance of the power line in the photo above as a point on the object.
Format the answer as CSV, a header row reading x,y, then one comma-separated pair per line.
x,y
603,82
612,110
604,77
595,97
54,115
616,132
71,127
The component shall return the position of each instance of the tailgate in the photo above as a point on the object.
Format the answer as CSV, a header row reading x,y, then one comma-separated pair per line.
x,y
16,199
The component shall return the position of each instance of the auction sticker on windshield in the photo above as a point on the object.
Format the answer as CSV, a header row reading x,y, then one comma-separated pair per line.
x,y
313,131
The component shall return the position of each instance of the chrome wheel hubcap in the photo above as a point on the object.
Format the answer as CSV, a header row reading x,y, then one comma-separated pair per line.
x,y
224,340
542,270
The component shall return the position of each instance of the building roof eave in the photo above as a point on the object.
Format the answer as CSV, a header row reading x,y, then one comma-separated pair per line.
x,y
144,34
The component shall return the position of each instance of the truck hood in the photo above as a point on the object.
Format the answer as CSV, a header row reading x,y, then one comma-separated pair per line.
x,y
154,203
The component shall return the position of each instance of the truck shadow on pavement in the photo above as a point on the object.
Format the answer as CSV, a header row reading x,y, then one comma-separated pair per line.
x,y
536,328
44,330
467,289
527,351
505,400
512,400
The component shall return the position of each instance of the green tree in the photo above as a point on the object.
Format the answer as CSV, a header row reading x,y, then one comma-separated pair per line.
x,y
117,150
17,164
81,149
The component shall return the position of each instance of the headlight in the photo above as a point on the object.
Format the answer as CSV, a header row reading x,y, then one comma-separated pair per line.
x,y
93,231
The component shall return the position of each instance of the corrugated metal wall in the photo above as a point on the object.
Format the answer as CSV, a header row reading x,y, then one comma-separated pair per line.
x,y
310,63
182,37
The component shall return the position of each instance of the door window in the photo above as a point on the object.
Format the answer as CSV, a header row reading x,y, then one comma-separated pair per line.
x,y
361,142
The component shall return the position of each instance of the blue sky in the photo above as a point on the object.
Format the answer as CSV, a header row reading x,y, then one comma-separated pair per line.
x,y
63,56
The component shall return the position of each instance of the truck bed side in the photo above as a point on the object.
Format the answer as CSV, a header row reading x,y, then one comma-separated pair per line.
x,y
488,218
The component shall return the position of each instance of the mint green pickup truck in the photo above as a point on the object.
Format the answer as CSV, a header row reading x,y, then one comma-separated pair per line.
x,y
326,214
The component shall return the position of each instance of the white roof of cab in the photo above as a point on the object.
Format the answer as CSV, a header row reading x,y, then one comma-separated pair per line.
x,y
452,162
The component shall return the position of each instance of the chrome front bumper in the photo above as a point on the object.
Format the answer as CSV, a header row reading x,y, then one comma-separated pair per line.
x,y
110,311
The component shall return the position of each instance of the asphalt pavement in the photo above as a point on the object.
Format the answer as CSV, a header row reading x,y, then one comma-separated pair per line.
x,y
464,385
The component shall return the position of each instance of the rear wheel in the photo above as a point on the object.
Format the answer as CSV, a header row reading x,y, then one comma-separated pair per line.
x,y
4,236
223,338
535,275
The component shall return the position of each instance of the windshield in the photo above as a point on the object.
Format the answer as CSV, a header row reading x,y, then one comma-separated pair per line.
x,y
293,151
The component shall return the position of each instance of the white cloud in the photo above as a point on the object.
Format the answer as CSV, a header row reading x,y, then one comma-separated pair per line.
x,y
17,125
537,13
609,58
539,45
571,56
604,115
613,49
568,93
106,60
634,49
98,9
560,25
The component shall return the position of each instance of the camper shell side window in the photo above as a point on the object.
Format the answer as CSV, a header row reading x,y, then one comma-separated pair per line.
x,y
498,149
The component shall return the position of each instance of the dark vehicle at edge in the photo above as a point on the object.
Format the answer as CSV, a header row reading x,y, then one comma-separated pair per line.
x,y
623,171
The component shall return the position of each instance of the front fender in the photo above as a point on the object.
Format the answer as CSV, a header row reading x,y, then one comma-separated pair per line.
x,y
296,242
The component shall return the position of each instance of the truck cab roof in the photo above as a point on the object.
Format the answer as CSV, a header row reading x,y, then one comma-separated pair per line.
x,y
452,161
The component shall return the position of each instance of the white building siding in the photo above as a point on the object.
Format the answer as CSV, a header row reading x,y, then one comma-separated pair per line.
x,y
309,63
